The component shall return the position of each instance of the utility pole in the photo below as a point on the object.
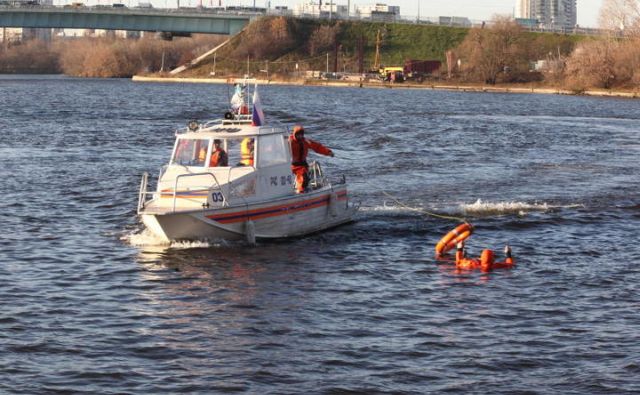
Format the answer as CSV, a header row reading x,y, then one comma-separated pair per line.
x,y
376,60
327,62
360,54
335,58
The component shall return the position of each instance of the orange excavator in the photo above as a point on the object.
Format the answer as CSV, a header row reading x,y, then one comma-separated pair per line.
x,y
486,262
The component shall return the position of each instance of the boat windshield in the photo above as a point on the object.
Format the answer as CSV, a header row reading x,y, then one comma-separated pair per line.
x,y
191,152
272,150
200,152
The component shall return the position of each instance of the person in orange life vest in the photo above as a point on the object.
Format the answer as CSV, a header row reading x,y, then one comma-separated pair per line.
x,y
218,156
246,152
202,154
299,149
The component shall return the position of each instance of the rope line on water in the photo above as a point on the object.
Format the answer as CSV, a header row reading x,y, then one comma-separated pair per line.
x,y
425,212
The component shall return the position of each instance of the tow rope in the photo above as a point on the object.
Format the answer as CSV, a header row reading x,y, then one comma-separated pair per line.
x,y
422,211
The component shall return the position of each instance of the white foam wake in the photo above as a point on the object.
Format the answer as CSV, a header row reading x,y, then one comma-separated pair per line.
x,y
478,208
492,208
148,239
388,208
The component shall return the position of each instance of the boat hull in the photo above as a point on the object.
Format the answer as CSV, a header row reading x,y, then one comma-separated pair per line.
x,y
296,215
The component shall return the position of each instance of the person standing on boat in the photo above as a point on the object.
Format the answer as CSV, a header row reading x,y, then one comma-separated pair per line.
x,y
299,150
219,156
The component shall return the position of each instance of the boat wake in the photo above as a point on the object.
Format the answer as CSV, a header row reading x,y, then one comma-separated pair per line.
x,y
477,209
146,238
481,209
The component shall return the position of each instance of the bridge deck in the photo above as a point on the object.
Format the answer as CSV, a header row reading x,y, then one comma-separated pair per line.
x,y
136,19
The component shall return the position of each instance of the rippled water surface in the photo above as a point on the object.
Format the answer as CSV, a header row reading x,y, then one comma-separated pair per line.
x,y
90,304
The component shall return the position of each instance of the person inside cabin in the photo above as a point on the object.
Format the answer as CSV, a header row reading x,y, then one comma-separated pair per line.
x,y
202,153
218,156
246,151
299,150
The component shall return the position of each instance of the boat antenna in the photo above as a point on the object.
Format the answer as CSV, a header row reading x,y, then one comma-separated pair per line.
x,y
228,97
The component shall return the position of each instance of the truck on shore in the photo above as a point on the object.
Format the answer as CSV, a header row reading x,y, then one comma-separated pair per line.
x,y
417,70
412,70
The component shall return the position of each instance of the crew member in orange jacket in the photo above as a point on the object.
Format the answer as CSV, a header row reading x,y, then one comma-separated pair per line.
x,y
218,156
299,149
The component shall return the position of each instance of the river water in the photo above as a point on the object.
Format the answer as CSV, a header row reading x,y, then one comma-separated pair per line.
x,y
90,304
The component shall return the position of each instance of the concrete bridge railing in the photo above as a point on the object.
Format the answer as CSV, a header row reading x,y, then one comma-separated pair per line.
x,y
151,20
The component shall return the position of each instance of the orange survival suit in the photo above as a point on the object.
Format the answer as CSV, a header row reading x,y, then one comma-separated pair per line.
x,y
299,150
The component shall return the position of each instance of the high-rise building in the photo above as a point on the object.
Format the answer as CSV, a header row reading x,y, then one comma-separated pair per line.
x,y
548,13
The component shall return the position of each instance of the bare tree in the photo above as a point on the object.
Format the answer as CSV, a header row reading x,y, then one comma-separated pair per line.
x,y
626,67
486,53
592,65
621,16
322,39
276,32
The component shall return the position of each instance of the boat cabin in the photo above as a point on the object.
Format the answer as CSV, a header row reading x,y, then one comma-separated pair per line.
x,y
227,162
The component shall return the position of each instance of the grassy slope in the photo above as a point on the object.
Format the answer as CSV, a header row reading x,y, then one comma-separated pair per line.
x,y
399,42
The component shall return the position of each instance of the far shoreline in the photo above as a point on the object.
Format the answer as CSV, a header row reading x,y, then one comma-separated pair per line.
x,y
357,84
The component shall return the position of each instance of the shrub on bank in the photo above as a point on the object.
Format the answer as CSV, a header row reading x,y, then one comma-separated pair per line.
x,y
111,57
31,57
604,63
103,57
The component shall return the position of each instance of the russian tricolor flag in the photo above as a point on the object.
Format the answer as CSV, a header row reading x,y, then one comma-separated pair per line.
x,y
257,118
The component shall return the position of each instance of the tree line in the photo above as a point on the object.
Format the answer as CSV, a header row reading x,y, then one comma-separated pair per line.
x,y
504,53
102,57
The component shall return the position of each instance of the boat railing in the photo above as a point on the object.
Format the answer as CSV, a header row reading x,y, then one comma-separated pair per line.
x,y
142,194
181,176
317,178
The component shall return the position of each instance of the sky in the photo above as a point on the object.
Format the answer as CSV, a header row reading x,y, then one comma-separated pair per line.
x,y
483,9
476,10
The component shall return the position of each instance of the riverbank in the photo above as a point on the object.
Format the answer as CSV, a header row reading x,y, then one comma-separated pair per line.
x,y
448,87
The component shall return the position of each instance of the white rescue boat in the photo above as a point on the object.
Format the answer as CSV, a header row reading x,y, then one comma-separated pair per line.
x,y
249,194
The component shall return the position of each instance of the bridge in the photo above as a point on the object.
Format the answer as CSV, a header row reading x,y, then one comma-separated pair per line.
x,y
122,18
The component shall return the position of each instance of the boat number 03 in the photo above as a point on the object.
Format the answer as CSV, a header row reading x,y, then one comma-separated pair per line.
x,y
217,197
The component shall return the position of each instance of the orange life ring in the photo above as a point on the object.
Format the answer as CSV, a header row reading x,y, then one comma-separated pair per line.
x,y
457,235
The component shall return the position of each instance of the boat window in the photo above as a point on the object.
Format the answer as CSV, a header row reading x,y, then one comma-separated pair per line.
x,y
241,151
191,152
219,157
271,150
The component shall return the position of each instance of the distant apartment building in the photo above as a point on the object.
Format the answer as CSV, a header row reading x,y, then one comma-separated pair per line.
x,y
321,10
548,13
17,34
10,34
378,12
24,34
